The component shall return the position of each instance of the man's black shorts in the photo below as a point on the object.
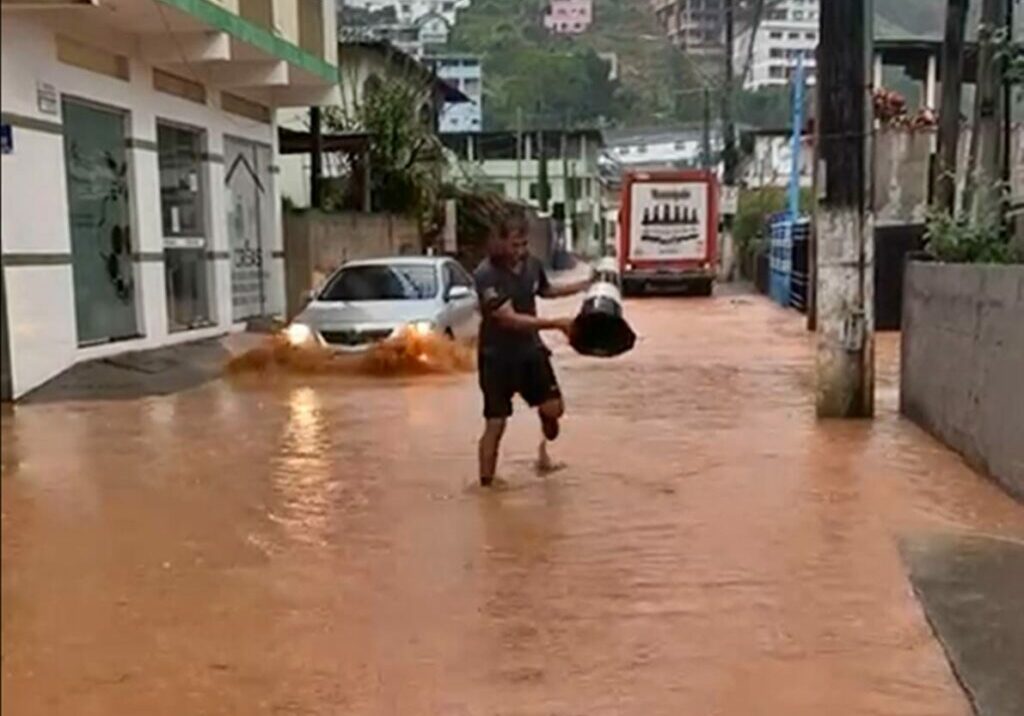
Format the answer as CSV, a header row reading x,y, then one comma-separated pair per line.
x,y
531,376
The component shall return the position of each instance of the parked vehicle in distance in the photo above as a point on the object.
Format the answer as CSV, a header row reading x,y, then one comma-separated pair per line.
x,y
668,231
365,302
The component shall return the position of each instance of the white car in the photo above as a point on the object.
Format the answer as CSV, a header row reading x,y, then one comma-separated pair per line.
x,y
365,302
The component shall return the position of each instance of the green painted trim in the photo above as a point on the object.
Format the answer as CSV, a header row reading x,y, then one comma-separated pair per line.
x,y
237,26
39,125
212,158
37,259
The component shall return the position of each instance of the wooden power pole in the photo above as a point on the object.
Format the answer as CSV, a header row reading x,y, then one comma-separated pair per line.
x,y
984,170
729,154
844,222
949,110
316,170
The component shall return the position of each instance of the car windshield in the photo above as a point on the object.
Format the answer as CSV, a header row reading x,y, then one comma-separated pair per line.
x,y
382,283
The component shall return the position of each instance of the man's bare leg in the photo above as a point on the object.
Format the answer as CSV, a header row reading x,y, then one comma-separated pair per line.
x,y
490,441
550,413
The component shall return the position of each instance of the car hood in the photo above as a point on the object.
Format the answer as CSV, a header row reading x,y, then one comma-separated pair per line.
x,y
322,314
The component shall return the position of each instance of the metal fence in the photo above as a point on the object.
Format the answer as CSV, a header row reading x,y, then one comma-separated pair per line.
x,y
788,260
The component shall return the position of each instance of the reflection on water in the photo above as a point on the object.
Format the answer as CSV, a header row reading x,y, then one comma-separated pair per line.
x,y
302,470
309,543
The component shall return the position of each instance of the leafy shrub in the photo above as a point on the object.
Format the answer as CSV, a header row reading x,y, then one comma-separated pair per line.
x,y
958,240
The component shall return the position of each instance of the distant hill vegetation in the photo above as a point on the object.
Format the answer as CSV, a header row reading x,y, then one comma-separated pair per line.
x,y
553,80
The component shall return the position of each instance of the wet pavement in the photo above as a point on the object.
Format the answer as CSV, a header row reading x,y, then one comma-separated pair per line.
x,y
276,544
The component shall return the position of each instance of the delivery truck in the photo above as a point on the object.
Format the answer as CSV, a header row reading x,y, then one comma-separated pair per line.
x,y
668,231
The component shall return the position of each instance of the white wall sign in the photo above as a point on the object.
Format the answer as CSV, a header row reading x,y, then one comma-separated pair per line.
x,y
730,200
184,242
46,98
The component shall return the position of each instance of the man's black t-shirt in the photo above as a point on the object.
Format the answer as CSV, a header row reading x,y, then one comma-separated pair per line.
x,y
498,285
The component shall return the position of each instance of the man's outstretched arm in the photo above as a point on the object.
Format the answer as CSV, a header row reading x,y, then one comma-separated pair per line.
x,y
551,290
506,316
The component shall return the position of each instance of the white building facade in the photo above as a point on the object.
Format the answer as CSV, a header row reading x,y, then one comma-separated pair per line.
x,y
770,164
787,35
491,161
465,73
409,11
140,200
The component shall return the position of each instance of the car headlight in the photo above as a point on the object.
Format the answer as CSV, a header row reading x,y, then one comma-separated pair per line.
x,y
298,334
421,328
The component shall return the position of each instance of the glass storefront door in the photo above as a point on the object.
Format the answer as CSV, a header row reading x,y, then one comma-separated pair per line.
x,y
247,193
183,208
101,244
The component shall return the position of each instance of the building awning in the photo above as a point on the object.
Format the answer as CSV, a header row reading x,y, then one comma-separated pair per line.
x,y
292,141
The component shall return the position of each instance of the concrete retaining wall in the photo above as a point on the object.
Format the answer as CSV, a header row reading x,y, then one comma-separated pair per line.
x,y
963,362
316,244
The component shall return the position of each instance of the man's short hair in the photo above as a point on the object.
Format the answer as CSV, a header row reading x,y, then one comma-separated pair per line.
x,y
515,222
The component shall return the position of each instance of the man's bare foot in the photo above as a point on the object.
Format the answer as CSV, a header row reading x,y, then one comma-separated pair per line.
x,y
494,483
545,465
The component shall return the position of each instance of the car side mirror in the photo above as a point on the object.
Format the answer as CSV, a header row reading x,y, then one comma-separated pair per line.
x,y
457,293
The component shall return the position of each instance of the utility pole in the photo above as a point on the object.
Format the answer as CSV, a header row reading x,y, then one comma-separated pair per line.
x,y
566,189
519,153
982,195
316,170
1008,103
729,139
845,255
543,187
705,146
949,110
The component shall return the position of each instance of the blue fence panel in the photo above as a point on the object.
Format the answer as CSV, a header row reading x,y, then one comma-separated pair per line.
x,y
799,274
781,255
788,283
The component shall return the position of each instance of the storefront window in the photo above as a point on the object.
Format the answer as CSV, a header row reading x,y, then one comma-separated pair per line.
x,y
180,181
185,243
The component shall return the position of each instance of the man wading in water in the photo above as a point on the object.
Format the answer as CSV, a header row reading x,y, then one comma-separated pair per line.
x,y
512,357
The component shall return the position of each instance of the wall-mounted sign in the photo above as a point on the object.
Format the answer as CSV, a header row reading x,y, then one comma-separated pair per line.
x,y
46,98
6,139
730,200
184,242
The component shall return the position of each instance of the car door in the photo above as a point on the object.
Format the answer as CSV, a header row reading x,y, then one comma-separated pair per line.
x,y
462,311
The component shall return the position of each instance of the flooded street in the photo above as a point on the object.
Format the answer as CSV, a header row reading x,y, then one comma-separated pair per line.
x,y
296,544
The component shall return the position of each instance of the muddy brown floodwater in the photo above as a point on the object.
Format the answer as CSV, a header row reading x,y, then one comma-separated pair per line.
x,y
314,544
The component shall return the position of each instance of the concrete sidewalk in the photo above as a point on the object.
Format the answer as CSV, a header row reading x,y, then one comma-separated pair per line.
x,y
972,589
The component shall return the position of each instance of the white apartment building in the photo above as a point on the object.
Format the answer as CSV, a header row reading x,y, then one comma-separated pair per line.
x,y
682,148
465,73
770,163
787,34
409,11
140,202
694,26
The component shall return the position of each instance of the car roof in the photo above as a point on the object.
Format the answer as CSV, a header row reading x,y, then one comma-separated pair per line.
x,y
400,261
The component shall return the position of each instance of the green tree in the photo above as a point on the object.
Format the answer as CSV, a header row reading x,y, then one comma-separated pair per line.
x,y
406,158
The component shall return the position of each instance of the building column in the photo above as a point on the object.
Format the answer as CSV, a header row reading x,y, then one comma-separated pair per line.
x,y
218,245
931,82
146,216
